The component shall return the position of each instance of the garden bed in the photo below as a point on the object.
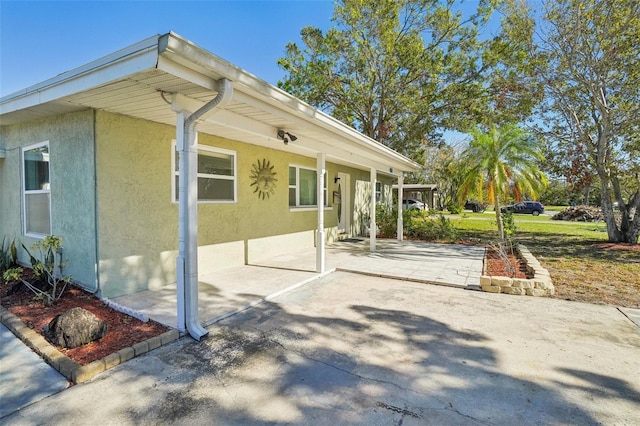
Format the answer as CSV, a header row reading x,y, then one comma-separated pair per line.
x,y
526,277
122,330
495,265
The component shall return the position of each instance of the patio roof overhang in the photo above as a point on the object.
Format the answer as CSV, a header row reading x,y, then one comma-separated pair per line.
x,y
165,79
139,81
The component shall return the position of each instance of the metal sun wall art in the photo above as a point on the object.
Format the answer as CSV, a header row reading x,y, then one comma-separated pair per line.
x,y
263,178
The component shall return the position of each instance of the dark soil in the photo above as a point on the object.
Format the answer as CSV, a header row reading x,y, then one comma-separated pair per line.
x,y
123,330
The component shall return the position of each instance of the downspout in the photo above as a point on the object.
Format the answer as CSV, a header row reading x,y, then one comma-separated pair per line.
x,y
187,260
400,225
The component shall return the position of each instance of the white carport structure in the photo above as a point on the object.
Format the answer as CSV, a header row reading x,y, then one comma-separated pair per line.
x,y
167,79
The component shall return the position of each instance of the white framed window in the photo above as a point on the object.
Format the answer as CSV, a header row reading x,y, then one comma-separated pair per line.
x,y
217,175
303,187
379,193
36,190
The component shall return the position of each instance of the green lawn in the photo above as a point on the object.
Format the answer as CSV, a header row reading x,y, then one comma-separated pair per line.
x,y
581,263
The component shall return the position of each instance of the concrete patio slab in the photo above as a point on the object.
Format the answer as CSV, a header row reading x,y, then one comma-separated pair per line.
x,y
362,350
234,289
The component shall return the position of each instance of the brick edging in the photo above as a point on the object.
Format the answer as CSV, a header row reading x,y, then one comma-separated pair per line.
x,y
539,285
73,371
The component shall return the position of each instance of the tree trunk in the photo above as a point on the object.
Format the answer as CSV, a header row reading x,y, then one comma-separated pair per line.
x,y
633,233
587,190
613,233
496,204
629,228
630,225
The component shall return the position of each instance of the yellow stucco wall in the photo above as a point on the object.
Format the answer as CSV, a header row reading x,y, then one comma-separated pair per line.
x,y
122,167
138,222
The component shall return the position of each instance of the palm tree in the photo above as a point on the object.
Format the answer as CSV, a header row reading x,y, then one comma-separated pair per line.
x,y
502,161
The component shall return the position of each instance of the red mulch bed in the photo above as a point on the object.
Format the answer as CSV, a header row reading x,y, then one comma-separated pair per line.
x,y
495,265
123,330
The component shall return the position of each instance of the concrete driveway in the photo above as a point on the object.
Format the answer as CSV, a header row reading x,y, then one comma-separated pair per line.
x,y
353,349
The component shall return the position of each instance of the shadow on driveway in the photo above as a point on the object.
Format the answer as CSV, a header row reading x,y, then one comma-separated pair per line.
x,y
349,349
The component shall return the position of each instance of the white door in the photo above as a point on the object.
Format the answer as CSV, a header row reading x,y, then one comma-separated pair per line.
x,y
341,202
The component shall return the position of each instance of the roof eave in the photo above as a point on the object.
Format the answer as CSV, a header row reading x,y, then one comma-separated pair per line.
x,y
140,56
169,48
186,53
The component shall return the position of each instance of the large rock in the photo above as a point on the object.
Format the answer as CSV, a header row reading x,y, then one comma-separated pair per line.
x,y
76,327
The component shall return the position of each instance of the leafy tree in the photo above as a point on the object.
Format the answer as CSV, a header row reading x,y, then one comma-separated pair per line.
x,y
400,71
501,161
587,56
445,169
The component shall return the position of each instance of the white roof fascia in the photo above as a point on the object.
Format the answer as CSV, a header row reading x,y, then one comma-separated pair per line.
x,y
180,57
254,91
118,65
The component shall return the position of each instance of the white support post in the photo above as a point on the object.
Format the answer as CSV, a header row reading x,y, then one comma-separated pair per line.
x,y
372,214
320,237
400,230
180,260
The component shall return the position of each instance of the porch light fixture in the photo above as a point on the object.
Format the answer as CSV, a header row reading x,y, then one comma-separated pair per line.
x,y
286,136
336,179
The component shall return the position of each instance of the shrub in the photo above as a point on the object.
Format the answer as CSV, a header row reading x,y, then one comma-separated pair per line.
x,y
416,224
427,229
386,220
454,208
53,283
12,274
509,225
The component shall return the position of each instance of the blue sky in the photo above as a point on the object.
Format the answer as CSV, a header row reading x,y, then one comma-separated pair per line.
x,y
40,39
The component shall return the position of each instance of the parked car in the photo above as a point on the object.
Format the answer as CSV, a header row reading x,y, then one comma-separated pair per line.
x,y
413,204
475,206
526,207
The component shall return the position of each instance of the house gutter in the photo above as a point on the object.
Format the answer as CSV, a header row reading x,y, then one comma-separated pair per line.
x,y
187,260
253,91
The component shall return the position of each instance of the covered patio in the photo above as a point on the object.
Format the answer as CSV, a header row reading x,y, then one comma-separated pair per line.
x,y
229,291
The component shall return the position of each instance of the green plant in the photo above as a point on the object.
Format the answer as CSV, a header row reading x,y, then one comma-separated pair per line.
x,y
386,220
454,208
54,283
8,255
4,256
509,225
421,227
445,229
12,274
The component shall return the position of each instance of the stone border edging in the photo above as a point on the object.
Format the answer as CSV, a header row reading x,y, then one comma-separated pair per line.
x,y
539,285
73,371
